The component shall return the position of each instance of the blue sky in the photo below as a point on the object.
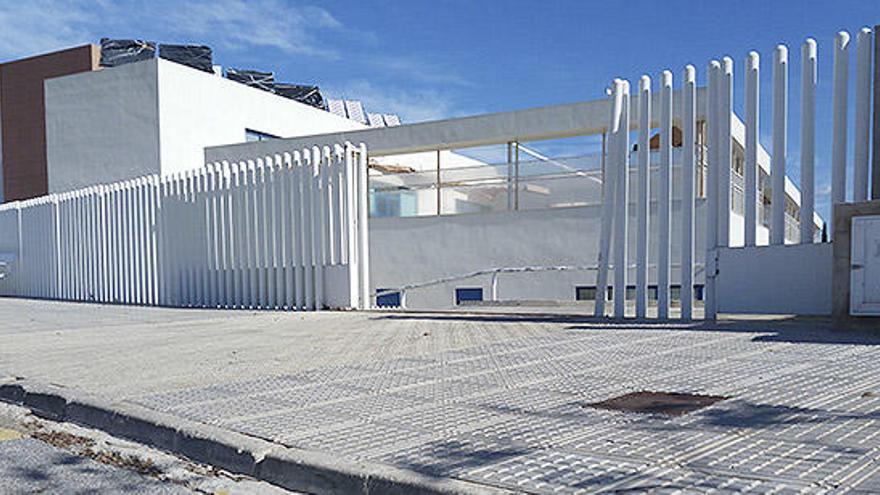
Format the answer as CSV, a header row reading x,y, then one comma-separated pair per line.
x,y
444,58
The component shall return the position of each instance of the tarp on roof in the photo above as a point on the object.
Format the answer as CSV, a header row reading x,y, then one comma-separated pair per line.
x,y
310,95
254,78
120,52
195,56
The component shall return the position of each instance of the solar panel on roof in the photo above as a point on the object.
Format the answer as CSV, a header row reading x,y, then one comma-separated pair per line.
x,y
376,120
355,111
391,119
336,107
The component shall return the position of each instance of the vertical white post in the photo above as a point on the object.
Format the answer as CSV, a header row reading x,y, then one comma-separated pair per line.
x,y
725,150
780,132
262,226
664,198
229,243
644,199
327,185
161,242
838,143
211,226
714,128
238,235
750,172
363,226
288,231
308,222
864,42
621,221
251,234
281,223
688,116
351,199
300,245
609,190
319,208
269,235
809,76
339,202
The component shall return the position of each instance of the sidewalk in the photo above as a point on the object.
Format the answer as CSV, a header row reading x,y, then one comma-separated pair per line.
x,y
485,401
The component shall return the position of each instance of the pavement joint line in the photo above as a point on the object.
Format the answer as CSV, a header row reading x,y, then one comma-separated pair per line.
x,y
290,468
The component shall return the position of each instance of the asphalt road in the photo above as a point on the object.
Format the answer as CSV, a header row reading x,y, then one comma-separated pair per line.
x,y
28,465
42,456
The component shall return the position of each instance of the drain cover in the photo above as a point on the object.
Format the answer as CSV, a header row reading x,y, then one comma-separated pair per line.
x,y
668,403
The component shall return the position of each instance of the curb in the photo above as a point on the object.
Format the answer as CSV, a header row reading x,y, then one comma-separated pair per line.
x,y
290,468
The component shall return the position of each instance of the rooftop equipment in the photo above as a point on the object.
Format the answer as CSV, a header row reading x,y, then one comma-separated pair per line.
x,y
376,120
309,95
195,56
120,52
355,111
254,78
337,107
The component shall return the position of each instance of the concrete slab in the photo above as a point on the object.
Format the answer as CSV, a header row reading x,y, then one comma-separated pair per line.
x,y
490,400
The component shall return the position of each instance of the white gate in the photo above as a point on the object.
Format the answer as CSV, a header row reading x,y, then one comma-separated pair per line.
x,y
616,205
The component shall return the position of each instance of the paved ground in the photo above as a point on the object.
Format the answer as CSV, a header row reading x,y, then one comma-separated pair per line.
x,y
42,456
492,399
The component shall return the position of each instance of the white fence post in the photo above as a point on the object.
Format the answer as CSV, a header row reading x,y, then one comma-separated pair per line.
x,y
864,42
644,198
318,208
750,170
609,191
688,116
809,75
712,182
780,140
664,208
839,105
726,149
363,228
621,221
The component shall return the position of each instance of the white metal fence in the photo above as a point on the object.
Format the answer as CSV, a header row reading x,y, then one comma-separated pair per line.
x,y
720,76
287,231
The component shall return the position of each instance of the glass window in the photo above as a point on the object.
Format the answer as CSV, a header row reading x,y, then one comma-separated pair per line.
x,y
388,300
463,294
585,293
251,136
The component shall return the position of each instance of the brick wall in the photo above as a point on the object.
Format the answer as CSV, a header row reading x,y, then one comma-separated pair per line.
x,y
23,114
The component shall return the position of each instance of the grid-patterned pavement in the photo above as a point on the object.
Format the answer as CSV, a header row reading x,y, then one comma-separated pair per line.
x,y
803,413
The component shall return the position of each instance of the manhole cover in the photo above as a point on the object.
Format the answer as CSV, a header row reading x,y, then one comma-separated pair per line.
x,y
669,403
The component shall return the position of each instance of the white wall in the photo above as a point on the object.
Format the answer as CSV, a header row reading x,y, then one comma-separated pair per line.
x,y
420,249
198,110
158,116
102,126
791,279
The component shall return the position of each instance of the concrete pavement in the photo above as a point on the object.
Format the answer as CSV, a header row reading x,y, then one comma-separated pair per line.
x,y
492,401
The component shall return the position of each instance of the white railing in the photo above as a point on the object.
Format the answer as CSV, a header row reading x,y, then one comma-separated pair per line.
x,y
287,231
720,75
